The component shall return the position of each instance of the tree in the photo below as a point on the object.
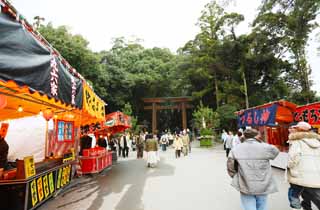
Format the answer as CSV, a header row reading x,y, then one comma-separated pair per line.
x,y
127,109
74,48
204,117
290,24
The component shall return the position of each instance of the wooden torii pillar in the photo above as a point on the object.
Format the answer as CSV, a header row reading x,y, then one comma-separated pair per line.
x,y
181,104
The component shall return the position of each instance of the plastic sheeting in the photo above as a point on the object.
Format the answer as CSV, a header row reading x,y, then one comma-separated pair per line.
x,y
26,137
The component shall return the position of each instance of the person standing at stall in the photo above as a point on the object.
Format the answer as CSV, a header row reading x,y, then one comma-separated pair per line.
x,y
303,164
102,142
4,149
249,166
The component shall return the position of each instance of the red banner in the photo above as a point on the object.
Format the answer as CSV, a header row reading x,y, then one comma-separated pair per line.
x,y
308,113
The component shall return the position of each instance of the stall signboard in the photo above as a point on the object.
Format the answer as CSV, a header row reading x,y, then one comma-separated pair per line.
x,y
309,113
93,104
258,117
43,187
29,62
29,167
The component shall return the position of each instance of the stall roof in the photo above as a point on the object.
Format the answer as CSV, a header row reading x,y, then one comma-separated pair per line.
x,y
267,114
33,74
116,122
283,103
309,113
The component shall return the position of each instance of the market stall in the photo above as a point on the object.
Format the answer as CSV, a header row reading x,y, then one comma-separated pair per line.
x,y
309,113
96,159
37,85
272,120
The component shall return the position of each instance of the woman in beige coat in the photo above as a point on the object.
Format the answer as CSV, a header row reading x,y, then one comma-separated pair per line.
x,y
304,166
177,145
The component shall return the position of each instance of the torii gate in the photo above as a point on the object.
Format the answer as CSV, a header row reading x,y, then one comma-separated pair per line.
x,y
182,103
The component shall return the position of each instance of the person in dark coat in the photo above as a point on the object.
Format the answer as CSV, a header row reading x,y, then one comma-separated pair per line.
x,y
4,149
102,142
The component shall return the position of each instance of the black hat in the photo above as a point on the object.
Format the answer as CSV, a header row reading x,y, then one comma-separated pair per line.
x,y
250,133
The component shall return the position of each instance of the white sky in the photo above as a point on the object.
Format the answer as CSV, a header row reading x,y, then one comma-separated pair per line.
x,y
160,23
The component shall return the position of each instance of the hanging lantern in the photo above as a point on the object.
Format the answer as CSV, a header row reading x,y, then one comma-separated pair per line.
x,y
20,108
48,114
3,101
69,117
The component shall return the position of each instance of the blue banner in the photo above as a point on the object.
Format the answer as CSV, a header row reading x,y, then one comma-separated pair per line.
x,y
258,116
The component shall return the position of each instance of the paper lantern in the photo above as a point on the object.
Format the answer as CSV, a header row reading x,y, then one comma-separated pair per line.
x,y
47,114
69,117
3,101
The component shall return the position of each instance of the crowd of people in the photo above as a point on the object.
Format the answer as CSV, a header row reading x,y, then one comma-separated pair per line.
x,y
249,166
150,144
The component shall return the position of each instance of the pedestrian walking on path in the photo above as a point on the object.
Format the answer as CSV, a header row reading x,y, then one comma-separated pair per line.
x,y
185,141
164,142
303,166
140,145
151,147
177,145
229,141
249,166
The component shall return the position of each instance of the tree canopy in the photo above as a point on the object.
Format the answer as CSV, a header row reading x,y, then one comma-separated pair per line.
x,y
225,70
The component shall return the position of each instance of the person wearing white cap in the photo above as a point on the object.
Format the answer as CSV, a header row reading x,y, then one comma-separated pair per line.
x,y
303,166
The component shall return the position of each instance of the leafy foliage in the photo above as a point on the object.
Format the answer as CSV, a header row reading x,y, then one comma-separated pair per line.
x,y
224,70
205,117
128,111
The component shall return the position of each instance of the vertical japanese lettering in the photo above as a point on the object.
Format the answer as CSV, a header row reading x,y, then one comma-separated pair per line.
x,y
54,77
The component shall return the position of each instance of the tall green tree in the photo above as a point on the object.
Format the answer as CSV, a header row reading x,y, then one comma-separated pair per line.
x,y
290,23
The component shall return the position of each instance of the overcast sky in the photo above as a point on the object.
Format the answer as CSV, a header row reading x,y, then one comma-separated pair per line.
x,y
160,23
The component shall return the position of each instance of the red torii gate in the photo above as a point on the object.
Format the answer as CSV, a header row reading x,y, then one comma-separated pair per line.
x,y
181,104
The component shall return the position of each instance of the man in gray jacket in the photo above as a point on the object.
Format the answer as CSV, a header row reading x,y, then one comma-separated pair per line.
x,y
249,166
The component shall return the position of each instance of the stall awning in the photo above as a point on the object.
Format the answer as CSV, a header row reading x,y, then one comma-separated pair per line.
x,y
309,113
267,114
93,106
29,63
116,122
34,76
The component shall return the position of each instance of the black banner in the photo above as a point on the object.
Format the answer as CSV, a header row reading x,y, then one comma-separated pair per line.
x,y
27,61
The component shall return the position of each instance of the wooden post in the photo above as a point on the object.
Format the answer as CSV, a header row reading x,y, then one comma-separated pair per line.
x,y
154,117
184,115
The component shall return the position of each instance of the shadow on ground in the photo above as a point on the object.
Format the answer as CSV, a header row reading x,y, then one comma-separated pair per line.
x,y
128,176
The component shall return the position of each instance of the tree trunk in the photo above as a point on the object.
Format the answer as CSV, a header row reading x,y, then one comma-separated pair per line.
x,y
216,89
245,88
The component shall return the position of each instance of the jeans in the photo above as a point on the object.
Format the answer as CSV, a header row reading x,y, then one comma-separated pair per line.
x,y
253,202
310,195
294,193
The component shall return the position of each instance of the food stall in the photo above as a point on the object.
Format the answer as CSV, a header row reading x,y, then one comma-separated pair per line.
x,y
37,83
116,122
309,113
96,159
92,159
272,120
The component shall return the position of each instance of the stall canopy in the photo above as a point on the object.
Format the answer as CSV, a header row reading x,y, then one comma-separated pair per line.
x,y
34,76
116,122
268,114
309,113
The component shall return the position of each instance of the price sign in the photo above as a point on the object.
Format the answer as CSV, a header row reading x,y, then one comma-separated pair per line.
x,y
29,167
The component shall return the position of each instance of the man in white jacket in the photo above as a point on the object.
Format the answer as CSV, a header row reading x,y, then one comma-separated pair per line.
x,y
304,166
